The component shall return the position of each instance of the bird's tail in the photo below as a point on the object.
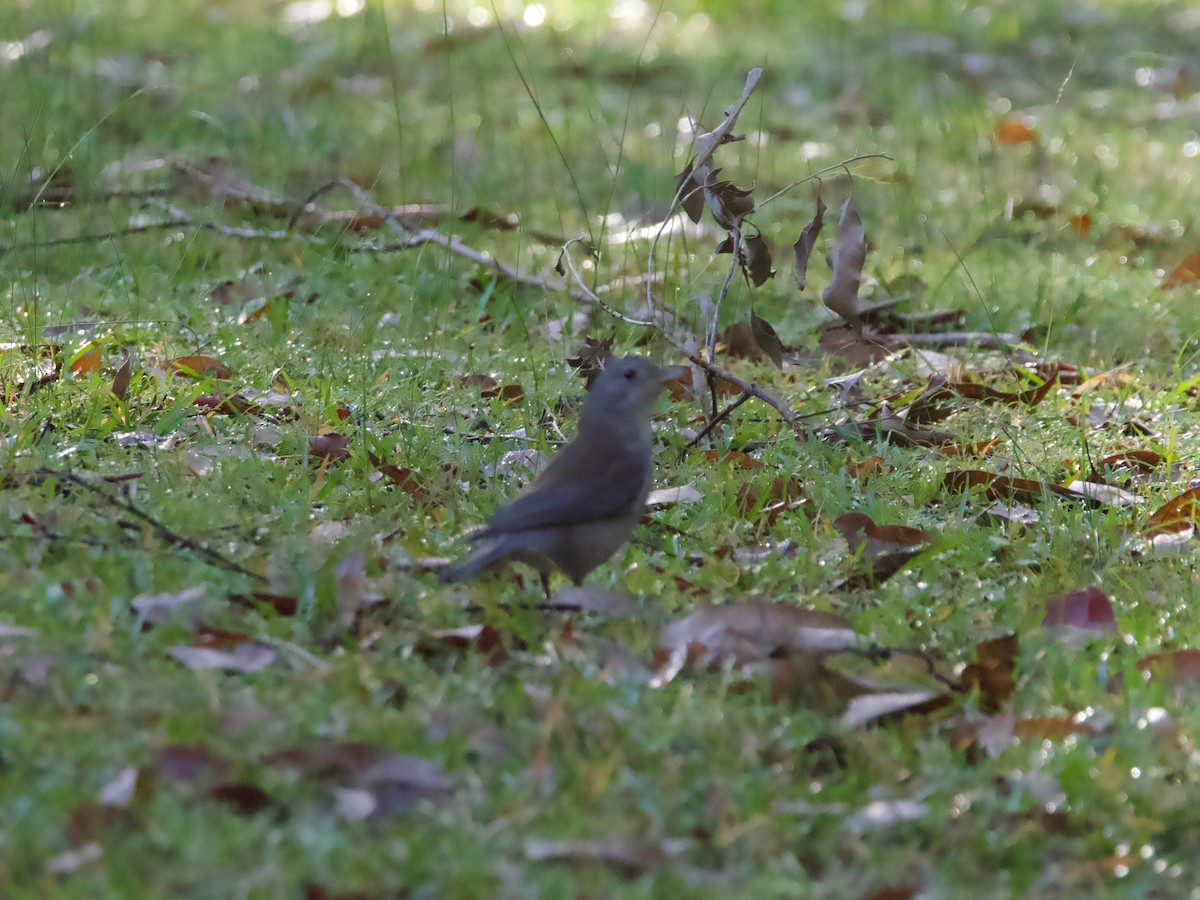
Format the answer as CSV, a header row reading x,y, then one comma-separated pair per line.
x,y
471,564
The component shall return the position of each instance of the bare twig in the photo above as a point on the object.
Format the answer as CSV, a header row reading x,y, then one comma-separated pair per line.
x,y
714,422
749,388
705,145
170,536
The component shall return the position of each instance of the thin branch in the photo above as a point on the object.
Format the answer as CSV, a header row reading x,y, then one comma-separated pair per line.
x,y
747,387
714,422
170,536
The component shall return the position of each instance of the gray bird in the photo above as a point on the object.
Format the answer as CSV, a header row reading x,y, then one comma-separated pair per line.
x,y
584,506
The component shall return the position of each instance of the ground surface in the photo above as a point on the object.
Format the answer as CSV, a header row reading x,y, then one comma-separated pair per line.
x,y
241,433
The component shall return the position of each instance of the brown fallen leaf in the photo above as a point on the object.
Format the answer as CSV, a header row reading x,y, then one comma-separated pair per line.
x,y
248,656
741,633
199,366
1187,272
766,339
1087,609
1014,129
994,671
1178,668
632,856
328,448
849,254
1177,515
87,361
804,244
120,383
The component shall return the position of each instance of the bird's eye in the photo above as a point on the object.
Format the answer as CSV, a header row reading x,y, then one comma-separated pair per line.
x,y
630,374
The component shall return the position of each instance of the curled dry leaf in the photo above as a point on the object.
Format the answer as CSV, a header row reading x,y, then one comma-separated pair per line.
x,y
199,367
849,254
1187,272
329,448
248,656
993,672
1003,487
874,541
804,244
756,260
869,709
661,497
396,782
1178,515
633,856
766,339
1104,494
485,640
1177,667
120,384
747,633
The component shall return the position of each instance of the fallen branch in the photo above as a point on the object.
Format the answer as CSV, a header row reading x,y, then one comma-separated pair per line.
x,y
170,536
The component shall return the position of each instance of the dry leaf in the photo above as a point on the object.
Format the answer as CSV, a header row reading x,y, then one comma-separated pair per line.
x,y
199,366
1015,130
1178,515
1187,272
247,656
87,361
630,855
804,244
751,632
849,254
120,384
766,339
1088,609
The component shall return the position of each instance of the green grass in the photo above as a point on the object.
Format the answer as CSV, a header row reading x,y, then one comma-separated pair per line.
x,y
561,737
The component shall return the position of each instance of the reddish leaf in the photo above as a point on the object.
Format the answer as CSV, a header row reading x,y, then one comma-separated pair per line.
x,y
861,533
332,447
734,459
201,366
1014,130
1177,515
1052,728
784,494
87,361
484,640
1089,609
1178,667
1187,272
979,448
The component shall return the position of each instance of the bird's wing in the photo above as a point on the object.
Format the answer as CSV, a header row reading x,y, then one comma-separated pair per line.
x,y
579,487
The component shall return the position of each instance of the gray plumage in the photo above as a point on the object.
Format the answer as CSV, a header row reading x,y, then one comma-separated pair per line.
x,y
585,505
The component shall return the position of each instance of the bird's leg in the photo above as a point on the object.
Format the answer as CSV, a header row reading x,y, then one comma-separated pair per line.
x,y
545,576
